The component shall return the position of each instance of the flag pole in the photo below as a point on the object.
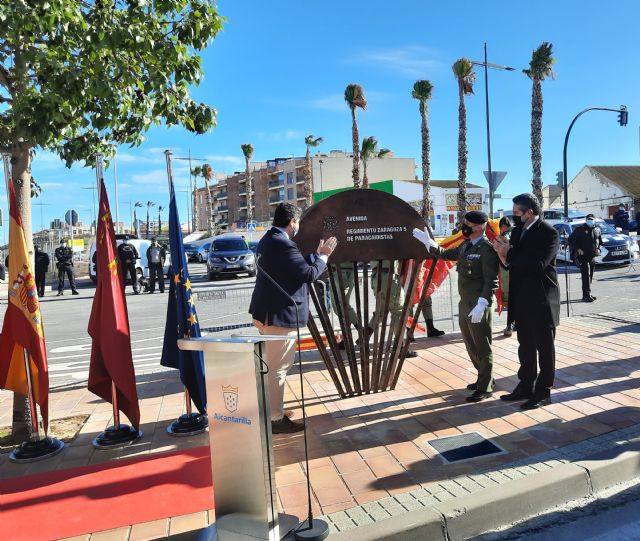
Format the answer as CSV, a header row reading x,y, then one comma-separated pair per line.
x,y
35,448
119,435
190,423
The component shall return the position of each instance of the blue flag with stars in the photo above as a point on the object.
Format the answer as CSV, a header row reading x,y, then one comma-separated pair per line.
x,y
182,320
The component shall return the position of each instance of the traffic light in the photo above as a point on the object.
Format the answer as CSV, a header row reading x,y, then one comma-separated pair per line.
x,y
560,178
623,115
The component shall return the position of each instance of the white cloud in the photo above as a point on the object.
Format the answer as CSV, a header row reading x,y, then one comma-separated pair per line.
x,y
334,102
225,158
410,61
279,136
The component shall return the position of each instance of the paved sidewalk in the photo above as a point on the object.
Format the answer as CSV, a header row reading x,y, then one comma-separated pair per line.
x,y
370,459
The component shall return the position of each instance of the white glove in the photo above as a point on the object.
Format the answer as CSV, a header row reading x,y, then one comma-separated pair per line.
x,y
424,238
478,312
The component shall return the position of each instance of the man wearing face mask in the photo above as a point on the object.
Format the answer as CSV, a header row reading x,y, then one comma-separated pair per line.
x,y
64,263
477,282
621,219
585,242
534,299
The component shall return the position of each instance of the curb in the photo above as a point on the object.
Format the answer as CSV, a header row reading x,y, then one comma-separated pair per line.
x,y
513,501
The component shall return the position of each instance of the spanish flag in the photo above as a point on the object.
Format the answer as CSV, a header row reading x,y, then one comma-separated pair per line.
x,y
443,267
111,358
22,327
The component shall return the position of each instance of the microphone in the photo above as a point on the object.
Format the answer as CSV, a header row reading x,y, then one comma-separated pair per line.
x,y
311,529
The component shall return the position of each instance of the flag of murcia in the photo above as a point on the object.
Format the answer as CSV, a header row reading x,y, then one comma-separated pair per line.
x,y
22,327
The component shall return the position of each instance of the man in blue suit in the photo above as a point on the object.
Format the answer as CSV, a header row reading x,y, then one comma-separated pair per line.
x,y
274,312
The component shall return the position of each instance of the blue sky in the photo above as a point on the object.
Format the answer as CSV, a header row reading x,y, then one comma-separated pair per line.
x,y
278,70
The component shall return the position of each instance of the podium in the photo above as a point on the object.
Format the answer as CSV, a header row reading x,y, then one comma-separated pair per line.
x,y
242,466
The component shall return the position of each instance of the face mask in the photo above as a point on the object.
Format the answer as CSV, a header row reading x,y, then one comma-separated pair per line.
x,y
517,220
466,230
590,223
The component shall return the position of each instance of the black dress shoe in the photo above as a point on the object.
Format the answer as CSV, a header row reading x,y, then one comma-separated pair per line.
x,y
478,396
517,394
285,426
472,386
536,402
411,354
432,333
75,293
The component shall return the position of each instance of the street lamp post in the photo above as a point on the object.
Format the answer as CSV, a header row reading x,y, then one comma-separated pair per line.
x,y
321,188
192,199
94,189
486,65
622,120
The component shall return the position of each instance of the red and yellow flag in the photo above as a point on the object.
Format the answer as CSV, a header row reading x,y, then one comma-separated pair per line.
x,y
111,358
443,267
22,327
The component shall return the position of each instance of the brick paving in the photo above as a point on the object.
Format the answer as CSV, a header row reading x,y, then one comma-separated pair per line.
x,y
369,456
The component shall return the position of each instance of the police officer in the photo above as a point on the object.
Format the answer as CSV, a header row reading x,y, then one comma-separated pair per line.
x,y
41,266
585,242
128,257
477,281
64,263
156,255
621,219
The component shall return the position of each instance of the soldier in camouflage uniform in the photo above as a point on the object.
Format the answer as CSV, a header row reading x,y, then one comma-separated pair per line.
x,y
477,282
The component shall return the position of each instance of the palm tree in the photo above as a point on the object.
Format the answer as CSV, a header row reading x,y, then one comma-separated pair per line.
x,y
370,150
206,172
354,96
463,72
540,67
137,204
310,141
149,205
160,209
247,150
422,92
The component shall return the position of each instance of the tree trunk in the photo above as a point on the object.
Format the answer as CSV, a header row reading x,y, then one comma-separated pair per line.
x,y
426,165
21,178
159,223
365,178
462,157
209,207
308,184
135,224
249,185
355,136
194,218
536,139
147,222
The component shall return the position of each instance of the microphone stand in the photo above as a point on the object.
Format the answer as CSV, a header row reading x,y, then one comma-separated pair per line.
x,y
311,529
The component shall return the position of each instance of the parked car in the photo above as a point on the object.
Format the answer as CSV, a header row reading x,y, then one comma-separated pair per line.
x,y
197,250
142,266
556,215
615,246
230,256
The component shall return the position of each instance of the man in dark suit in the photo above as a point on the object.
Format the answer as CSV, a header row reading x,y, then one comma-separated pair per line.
x,y
534,299
273,312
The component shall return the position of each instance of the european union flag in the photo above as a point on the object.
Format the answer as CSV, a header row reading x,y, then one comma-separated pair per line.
x,y
182,320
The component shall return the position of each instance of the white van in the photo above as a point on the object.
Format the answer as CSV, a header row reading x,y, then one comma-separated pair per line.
x,y
142,266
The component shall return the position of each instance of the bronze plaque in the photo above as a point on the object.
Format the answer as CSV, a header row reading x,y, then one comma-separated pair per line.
x,y
369,225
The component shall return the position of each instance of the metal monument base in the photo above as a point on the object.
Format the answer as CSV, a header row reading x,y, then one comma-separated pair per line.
x,y
32,451
317,532
236,527
188,425
116,437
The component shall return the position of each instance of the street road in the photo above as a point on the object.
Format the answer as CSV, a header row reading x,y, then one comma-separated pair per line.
x,y
69,346
613,517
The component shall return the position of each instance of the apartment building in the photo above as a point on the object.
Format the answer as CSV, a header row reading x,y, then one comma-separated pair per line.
x,y
282,179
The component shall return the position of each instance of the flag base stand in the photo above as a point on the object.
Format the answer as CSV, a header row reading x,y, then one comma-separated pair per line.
x,y
188,424
32,451
318,531
116,437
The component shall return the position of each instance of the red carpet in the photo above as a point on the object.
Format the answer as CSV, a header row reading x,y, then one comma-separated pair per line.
x,y
87,499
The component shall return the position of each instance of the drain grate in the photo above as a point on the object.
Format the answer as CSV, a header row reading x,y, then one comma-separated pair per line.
x,y
464,447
